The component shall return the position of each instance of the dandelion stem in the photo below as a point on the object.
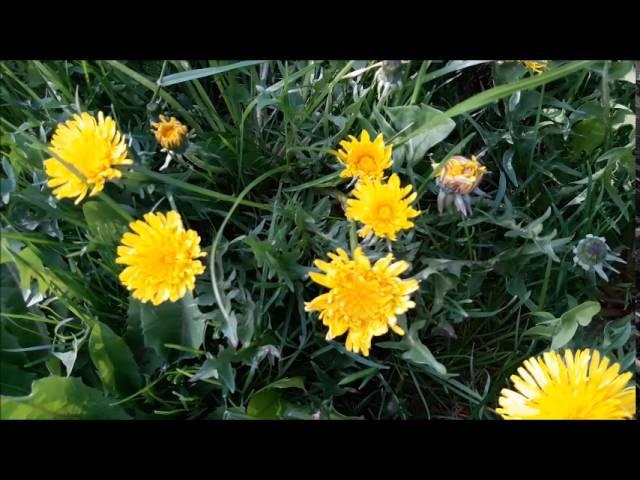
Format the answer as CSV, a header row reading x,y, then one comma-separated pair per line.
x,y
545,285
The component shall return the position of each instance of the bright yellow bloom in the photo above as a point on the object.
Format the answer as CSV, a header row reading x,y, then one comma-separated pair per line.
x,y
93,147
577,387
535,66
382,207
364,158
461,175
161,258
362,299
169,133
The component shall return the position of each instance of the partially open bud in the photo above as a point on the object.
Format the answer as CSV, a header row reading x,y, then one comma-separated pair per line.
x,y
593,255
170,134
462,175
459,178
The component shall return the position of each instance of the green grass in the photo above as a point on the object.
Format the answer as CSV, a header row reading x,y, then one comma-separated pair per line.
x,y
260,185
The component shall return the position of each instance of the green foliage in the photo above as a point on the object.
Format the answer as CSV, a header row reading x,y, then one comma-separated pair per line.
x,y
56,398
259,183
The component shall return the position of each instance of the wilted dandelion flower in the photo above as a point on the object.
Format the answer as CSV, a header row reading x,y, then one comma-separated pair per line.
x,y
535,66
593,254
169,133
383,207
459,178
580,386
364,158
363,300
161,258
93,147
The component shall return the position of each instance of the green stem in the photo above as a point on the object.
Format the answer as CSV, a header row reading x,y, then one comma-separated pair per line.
x,y
545,285
466,232
419,81
159,82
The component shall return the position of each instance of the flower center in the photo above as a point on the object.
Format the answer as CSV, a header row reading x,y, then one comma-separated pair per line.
x,y
366,163
385,212
167,130
593,251
362,297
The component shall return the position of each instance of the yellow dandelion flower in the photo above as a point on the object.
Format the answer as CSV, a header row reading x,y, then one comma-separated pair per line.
x,y
169,133
535,66
161,258
580,386
93,147
362,300
364,158
383,208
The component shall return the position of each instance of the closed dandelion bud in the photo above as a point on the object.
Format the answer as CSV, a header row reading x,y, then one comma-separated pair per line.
x,y
153,108
593,255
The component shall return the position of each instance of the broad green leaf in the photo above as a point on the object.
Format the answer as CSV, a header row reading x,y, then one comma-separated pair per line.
x,y
588,135
565,333
209,369
420,353
623,70
546,331
408,119
30,267
114,361
15,380
57,398
266,405
579,315
179,323
582,314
